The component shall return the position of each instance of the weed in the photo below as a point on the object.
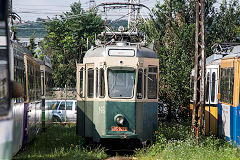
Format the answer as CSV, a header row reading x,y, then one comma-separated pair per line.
x,y
173,141
59,142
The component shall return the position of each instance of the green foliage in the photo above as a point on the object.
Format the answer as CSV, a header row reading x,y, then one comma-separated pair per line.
x,y
32,46
41,56
67,41
173,141
172,27
225,26
59,142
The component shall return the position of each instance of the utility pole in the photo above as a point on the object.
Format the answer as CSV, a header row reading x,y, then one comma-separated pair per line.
x,y
133,14
200,71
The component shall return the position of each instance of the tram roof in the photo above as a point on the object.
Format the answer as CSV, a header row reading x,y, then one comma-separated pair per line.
x,y
234,53
141,52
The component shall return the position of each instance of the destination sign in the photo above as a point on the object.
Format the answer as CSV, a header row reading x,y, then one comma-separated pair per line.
x,y
121,52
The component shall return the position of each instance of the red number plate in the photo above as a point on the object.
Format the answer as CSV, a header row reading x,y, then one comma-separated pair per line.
x,y
119,128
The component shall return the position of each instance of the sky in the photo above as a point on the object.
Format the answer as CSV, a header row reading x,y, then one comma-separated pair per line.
x,y
32,9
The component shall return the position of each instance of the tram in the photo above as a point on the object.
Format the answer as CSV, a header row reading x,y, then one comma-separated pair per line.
x,y
117,93
211,101
20,113
6,122
229,105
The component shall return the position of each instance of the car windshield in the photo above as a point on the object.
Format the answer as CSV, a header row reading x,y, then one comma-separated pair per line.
x,y
121,83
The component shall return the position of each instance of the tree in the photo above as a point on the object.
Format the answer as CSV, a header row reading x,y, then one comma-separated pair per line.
x,y
67,41
172,27
32,46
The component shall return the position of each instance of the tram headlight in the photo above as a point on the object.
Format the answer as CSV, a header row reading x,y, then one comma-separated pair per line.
x,y
119,119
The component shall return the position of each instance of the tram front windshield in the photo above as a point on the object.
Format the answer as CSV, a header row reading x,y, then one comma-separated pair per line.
x,y
121,83
3,61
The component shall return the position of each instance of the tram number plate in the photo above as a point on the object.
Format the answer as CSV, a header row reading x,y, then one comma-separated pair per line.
x,y
119,128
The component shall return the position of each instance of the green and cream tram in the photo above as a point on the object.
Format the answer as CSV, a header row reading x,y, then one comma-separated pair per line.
x,y
117,87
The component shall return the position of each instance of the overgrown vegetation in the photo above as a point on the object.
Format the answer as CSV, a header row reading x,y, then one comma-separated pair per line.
x,y
67,41
173,141
172,27
59,142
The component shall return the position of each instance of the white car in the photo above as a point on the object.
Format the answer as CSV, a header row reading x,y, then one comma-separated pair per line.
x,y
55,110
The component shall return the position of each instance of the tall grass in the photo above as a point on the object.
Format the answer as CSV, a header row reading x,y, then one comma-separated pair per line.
x,y
173,141
59,142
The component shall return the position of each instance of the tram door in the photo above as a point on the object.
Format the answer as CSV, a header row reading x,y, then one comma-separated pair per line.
x,y
6,122
211,110
81,72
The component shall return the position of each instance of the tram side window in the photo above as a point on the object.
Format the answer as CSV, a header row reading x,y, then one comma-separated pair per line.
x,y
96,82
90,82
152,82
145,83
213,87
226,85
38,82
43,83
81,83
31,83
101,83
19,74
139,84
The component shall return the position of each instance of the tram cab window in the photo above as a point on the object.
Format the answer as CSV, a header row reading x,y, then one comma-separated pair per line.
x,y
121,83
226,85
90,83
139,84
101,83
152,82
81,83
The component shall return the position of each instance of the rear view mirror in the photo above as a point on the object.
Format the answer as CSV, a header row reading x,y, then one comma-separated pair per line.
x,y
17,89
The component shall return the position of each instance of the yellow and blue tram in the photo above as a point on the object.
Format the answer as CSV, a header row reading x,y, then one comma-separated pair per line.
x,y
228,106
117,88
